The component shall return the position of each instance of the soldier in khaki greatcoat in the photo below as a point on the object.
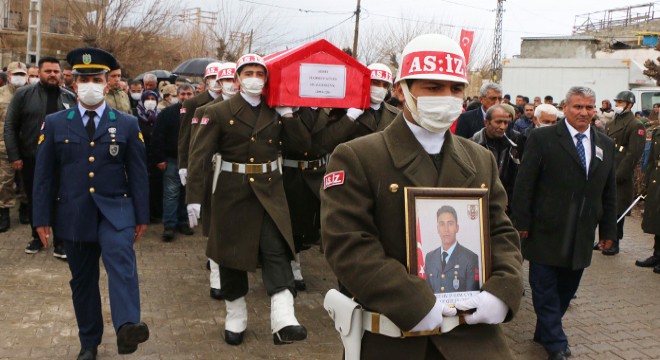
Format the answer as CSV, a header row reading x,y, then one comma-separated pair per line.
x,y
225,80
363,219
188,111
16,77
249,208
650,223
629,138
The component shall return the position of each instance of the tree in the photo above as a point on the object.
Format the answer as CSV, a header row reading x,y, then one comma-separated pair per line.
x,y
242,29
653,68
137,32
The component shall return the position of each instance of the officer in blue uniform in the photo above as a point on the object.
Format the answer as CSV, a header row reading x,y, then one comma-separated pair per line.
x,y
90,186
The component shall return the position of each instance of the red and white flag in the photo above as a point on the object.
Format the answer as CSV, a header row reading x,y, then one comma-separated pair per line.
x,y
420,256
466,43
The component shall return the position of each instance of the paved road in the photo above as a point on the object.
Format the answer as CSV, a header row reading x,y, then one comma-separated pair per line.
x,y
616,314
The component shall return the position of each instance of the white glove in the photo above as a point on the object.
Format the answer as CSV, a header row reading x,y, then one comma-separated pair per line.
x,y
183,173
193,214
433,319
489,309
284,110
354,113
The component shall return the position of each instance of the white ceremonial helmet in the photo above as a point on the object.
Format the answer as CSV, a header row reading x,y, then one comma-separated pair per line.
x,y
380,72
226,71
211,69
433,57
250,59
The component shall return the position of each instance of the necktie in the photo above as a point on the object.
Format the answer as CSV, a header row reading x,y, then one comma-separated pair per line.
x,y
580,150
444,260
90,127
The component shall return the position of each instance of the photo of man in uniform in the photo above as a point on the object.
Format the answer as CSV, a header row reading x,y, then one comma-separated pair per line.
x,y
451,267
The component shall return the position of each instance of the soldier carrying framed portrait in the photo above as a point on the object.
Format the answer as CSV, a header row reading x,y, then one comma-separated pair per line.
x,y
447,240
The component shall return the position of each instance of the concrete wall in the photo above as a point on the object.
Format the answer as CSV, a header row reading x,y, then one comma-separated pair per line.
x,y
558,48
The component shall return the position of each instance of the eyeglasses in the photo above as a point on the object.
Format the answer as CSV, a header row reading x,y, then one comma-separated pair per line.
x,y
494,98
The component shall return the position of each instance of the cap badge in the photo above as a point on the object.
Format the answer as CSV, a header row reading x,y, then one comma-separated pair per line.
x,y
87,59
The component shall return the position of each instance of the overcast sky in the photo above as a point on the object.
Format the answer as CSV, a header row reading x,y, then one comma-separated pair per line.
x,y
522,18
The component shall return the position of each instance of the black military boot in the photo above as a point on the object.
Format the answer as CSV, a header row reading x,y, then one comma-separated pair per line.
x,y
4,220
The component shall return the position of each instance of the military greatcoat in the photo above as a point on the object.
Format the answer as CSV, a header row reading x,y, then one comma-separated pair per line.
x,y
651,220
344,129
243,135
187,112
629,139
194,126
363,224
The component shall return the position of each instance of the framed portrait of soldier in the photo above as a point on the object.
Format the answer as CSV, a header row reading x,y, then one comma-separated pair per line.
x,y
448,240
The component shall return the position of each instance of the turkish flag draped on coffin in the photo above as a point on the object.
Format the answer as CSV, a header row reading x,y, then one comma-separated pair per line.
x,y
317,74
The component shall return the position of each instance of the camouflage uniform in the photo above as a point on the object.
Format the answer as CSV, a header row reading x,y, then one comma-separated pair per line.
x,y
118,100
7,191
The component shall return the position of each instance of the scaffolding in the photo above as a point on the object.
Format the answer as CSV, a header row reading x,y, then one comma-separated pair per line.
x,y
614,18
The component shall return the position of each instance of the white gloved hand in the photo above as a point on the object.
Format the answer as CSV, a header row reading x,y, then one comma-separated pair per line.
x,y
284,110
489,309
183,173
193,214
354,113
433,319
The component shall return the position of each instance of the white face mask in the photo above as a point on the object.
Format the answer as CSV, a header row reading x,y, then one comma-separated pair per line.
x,y
544,125
174,100
229,88
212,84
433,113
618,109
33,80
252,86
18,80
91,94
377,94
150,104
136,96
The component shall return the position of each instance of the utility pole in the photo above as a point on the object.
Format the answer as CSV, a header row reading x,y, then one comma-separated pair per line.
x,y
357,28
33,53
250,46
496,61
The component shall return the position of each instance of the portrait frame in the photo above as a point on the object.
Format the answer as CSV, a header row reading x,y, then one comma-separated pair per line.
x,y
470,205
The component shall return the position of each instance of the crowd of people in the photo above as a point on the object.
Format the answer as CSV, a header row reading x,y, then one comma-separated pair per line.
x,y
97,157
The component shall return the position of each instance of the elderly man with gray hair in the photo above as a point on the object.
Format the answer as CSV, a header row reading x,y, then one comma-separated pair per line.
x,y
565,189
544,115
470,122
150,82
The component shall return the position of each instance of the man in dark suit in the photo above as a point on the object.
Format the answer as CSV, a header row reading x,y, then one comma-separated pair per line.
x,y
451,267
470,122
557,204
91,188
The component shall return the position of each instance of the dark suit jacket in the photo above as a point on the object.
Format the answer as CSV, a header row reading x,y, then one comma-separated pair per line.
x,y
463,265
555,201
469,123
364,231
91,178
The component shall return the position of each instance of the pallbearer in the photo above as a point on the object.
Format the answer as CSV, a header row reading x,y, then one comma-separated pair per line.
x,y
250,212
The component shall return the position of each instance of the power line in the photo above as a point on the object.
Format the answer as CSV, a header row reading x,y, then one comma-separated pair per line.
x,y
320,32
457,26
299,9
